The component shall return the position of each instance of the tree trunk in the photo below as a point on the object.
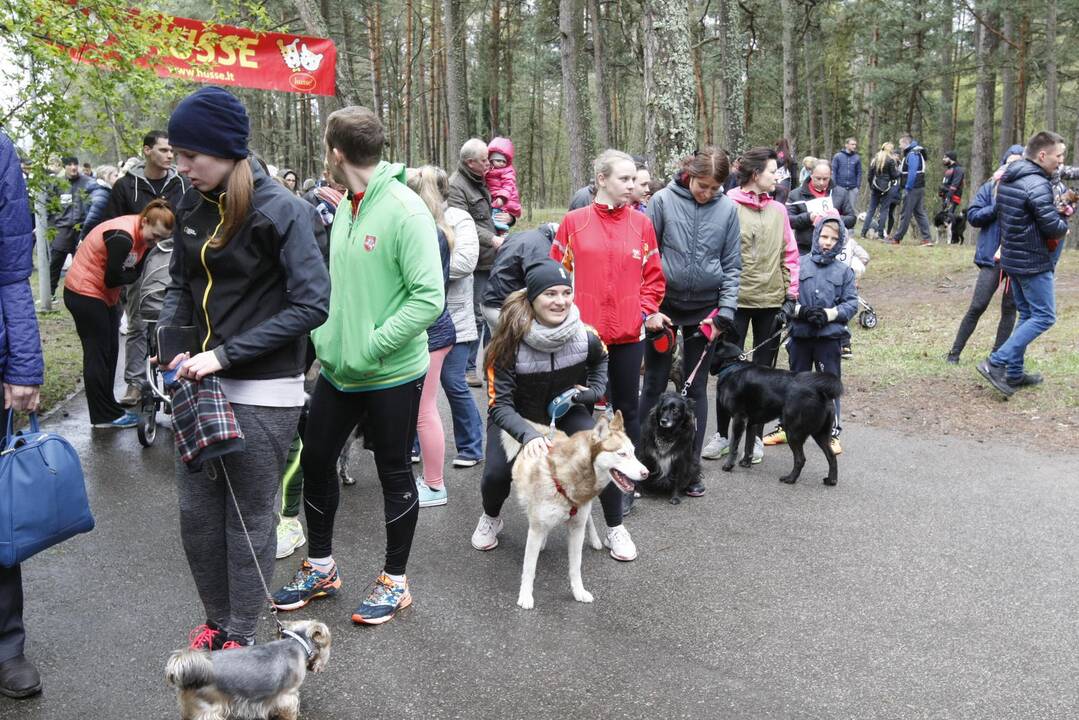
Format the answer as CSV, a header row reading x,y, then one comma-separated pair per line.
x,y
871,91
982,153
456,90
947,93
1051,66
731,83
315,24
493,69
670,127
603,95
812,106
374,52
787,17
1007,74
408,83
1021,84
575,92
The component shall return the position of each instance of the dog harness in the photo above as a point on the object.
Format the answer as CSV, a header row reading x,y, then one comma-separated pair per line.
x,y
300,639
561,490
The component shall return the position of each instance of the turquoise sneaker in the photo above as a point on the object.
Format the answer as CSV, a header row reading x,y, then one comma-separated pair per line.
x,y
386,598
309,584
429,497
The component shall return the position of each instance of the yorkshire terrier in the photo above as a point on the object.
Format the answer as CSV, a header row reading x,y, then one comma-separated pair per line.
x,y
259,681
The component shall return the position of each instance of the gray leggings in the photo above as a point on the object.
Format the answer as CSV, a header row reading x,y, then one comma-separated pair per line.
x,y
213,539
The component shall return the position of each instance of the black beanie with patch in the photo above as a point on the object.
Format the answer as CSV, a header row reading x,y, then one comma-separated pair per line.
x,y
544,274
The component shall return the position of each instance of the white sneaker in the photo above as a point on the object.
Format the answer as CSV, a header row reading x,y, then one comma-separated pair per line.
x,y
716,448
289,536
621,544
485,536
758,452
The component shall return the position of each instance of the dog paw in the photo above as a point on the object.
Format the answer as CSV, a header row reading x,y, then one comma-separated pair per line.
x,y
582,596
676,501
744,462
596,544
728,466
830,481
525,602
790,480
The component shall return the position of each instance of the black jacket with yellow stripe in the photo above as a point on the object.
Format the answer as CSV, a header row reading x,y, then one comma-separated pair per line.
x,y
255,299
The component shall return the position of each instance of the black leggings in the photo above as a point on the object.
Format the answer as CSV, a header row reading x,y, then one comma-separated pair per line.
x,y
388,420
657,370
497,477
764,324
624,383
98,326
989,278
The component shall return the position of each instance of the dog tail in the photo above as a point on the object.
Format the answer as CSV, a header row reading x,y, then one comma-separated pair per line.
x,y
188,668
827,385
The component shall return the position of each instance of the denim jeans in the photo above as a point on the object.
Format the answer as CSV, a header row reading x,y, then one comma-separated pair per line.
x,y
876,199
467,424
1034,301
479,285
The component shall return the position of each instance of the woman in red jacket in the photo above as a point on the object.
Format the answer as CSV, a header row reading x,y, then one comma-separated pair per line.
x,y
109,258
619,281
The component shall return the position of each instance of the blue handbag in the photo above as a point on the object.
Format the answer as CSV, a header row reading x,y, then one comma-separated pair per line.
x,y
42,493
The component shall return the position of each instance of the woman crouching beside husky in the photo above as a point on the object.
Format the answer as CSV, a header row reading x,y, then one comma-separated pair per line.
x,y
540,350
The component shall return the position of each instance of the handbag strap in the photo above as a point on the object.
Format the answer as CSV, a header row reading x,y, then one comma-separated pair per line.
x,y
9,433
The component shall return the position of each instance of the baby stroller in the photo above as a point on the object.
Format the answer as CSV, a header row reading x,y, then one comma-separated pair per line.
x,y
867,318
150,292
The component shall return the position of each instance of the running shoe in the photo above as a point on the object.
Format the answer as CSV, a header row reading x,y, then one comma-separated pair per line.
x,y
289,536
308,584
386,598
206,637
776,437
758,452
430,497
846,353
621,544
466,462
716,448
127,420
485,536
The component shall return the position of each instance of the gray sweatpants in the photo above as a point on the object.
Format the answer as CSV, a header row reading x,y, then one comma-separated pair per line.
x,y
914,205
213,539
135,342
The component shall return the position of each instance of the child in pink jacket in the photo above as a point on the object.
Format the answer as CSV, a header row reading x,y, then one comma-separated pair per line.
x,y
502,181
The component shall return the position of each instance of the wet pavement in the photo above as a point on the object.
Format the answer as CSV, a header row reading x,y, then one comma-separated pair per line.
x,y
937,580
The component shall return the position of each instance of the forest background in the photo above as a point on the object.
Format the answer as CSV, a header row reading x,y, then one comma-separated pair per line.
x,y
566,78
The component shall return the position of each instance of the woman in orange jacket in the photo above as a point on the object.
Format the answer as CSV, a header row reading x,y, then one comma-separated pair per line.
x,y
107,259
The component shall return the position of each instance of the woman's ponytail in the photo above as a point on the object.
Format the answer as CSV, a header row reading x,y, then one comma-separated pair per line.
x,y
237,205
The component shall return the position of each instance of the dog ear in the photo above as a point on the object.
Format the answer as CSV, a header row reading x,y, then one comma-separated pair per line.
x,y
602,428
617,424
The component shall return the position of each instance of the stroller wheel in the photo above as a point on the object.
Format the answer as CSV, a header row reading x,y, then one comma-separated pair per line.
x,y
867,319
147,427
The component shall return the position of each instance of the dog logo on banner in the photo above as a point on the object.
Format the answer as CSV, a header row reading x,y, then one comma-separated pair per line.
x,y
301,61
369,243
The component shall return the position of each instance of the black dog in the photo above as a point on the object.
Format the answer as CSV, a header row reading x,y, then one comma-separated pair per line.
x,y
754,395
958,226
666,446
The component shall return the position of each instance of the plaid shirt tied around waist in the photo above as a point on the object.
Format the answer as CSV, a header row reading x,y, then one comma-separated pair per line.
x,y
203,422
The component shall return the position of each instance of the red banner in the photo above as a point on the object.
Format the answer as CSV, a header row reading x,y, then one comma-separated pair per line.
x,y
225,55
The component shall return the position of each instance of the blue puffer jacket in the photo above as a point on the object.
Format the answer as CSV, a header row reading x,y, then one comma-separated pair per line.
x,y
441,333
847,169
825,283
982,214
1027,218
20,345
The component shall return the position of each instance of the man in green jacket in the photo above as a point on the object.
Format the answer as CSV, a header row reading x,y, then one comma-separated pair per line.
x,y
386,288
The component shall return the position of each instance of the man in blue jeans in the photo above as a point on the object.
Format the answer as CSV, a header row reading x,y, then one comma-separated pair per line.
x,y
1031,227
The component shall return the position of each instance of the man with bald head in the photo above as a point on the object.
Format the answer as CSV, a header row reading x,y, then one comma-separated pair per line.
x,y
810,201
468,191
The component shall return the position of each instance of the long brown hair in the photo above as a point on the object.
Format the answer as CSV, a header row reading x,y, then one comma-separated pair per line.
x,y
710,161
236,203
513,325
433,187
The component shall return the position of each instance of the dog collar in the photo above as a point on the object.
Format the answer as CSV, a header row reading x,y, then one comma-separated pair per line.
x,y
300,639
562,491
730,369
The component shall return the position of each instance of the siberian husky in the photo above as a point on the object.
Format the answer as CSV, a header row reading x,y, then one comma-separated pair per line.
x,y
559,488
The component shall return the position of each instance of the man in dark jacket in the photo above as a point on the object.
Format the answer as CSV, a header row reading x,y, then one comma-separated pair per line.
x,y
1031,227
22,370
912,174
847,170
951,195
154,177
468,191
982,214
519,251
68,204
803,210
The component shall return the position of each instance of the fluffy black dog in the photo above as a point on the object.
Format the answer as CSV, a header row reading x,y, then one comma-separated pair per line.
x,y
958,226
666,446
754,395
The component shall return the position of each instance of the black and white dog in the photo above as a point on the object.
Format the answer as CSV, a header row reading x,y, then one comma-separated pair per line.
x,y
666,446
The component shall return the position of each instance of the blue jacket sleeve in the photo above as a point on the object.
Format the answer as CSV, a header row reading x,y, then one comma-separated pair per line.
x,y
982,210
24,364
99,200
848,298
857,171
1050,222
914,164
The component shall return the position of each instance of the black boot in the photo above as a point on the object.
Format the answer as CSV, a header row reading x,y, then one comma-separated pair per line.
x,y
995,375
19,678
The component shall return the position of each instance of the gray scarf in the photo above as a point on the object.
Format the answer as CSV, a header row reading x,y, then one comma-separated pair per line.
x,y
550,339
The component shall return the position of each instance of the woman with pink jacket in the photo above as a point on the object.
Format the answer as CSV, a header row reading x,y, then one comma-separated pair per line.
x,y
768,290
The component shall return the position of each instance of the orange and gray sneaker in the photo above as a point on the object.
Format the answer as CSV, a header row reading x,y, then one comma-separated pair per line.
x,y
385,599
776,437
308,584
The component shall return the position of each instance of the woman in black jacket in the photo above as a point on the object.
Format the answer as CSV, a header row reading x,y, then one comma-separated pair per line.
x,y
883,176
540,350
248,273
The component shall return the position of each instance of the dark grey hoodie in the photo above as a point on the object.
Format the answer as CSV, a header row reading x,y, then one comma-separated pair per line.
x,y
133,192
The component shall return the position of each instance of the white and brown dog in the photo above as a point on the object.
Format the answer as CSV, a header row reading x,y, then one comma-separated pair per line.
x,y
560,486
260,681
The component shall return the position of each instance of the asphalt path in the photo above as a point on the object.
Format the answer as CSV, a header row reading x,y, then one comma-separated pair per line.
x,y
937,580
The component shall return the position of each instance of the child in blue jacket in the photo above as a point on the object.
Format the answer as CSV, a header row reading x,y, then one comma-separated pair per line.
x,y
827,300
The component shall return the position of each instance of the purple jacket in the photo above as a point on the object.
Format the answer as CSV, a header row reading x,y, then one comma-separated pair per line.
x,y
21,362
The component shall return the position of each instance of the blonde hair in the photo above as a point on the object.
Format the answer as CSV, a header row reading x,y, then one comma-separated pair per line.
x,y
882,157
604,164
433,187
